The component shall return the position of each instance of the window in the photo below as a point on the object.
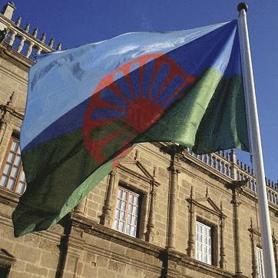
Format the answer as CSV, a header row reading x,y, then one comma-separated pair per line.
x,y
259,260
4,271
203,243
13,177
127,212
6,261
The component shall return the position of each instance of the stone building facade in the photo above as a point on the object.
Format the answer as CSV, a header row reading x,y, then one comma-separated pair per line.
x,y
163,212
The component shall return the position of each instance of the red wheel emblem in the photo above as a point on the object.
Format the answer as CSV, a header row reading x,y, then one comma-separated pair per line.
x,y
130,100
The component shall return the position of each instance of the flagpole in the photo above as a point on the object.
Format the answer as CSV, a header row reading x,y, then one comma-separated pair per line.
x,y
255,141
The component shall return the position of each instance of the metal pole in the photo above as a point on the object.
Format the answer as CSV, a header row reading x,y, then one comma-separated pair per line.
x,y
255,141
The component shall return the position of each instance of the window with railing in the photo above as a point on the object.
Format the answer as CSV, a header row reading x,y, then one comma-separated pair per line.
x,y
127,212
12,174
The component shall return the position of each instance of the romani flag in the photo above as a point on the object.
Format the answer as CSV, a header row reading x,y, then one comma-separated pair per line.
x,y
87,105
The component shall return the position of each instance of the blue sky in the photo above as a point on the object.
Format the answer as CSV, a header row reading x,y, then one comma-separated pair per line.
x,y
78,22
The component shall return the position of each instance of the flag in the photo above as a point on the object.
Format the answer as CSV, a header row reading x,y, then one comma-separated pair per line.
x,y
86,105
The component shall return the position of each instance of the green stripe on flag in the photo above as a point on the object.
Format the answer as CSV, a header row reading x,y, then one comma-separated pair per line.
x,y
209,118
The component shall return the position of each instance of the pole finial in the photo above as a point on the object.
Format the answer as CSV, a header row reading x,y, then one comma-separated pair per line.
x,y
242,6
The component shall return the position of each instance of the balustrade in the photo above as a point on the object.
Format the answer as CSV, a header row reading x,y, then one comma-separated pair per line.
x,y
222,162
22,41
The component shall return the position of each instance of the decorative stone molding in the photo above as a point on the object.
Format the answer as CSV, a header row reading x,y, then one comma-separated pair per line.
x,y
132,173
106,217
255,238
6,259
18,35
81,207
177,262
5,111
253,248
174,151
210,207
233,160
169,263
222,261
237,188
192,217
150,224
9,10
275,242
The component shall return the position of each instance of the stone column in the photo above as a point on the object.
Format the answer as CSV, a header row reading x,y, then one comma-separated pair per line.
x,y
275,249
253,248
80,208
150,225
174,171
21,45
191,219
11,36
106,217
222,248
30,49
233,160
236,204
39,50
5,116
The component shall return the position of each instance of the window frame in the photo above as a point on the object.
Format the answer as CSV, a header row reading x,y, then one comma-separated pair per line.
x,y
130,191
17,178
6,261
259,266
5,269
213,241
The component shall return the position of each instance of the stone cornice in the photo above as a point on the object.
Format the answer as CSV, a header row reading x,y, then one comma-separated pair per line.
x,y
146,175
215,210
6,258
102,232
13,75
12,111
184,260
91,227
13,56
8,197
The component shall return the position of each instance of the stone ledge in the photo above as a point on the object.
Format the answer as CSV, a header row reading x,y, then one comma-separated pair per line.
x,y
91,227
13,56
8,197
165,256
6,258
183,260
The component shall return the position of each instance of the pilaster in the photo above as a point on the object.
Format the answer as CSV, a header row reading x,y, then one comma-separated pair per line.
x,y
236,203
275,241
233,160
174,170
222,261
107,217
5,115
81,207
150,225
192,224
253,249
